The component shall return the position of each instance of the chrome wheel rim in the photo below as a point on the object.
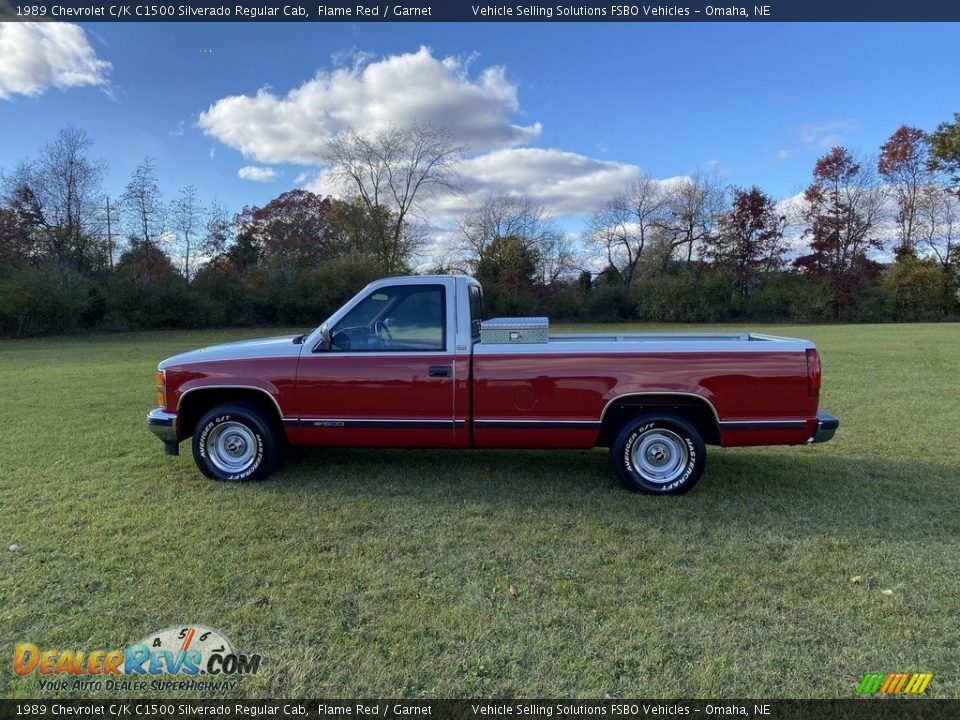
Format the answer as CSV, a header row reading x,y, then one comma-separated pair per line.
x,y
232,447
660,456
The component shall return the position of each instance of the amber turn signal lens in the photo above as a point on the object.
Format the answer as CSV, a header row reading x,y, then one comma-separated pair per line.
x,y
161,389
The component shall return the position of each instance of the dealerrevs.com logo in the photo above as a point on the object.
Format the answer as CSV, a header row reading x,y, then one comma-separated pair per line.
x,y
182,651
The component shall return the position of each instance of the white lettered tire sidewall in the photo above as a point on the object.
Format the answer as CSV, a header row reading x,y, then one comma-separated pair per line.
x,y
265,450
622,454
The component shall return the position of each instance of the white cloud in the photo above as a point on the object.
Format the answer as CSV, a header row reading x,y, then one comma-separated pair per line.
x,y
477,109
257,174
352,58
827,134
41,55
370,95
564,183
784,154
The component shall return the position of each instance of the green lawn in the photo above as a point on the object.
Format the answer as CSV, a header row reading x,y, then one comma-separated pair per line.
x,y
446,574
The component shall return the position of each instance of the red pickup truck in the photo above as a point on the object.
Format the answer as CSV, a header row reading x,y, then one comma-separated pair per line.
x,y
409,362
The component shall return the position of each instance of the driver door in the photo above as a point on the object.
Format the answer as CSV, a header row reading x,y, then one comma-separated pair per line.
x,y
388,379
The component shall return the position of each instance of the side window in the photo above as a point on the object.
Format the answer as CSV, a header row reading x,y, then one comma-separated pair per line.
x,y
399,318
476,311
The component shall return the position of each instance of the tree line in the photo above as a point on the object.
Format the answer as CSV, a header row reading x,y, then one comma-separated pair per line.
x,y
871,239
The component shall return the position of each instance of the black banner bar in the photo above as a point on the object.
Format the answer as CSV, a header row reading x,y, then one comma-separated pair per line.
x,y
852,709
480,11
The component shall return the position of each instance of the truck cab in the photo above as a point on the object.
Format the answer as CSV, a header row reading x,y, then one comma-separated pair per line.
x,y
396,360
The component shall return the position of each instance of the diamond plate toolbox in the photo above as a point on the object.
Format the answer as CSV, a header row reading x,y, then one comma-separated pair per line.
x,y
515,330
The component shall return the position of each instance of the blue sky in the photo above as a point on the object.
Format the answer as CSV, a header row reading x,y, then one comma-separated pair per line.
x,y
759,102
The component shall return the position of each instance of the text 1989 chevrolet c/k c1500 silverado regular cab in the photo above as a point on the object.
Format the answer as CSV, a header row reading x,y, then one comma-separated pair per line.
x,y
408,362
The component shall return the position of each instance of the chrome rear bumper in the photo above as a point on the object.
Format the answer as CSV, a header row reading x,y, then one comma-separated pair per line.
x,y
827,425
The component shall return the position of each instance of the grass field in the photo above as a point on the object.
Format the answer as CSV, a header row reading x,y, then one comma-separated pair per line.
x,y
787,572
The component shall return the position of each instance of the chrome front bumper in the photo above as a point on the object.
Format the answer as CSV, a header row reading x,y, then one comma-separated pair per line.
x,y
827,425
164,425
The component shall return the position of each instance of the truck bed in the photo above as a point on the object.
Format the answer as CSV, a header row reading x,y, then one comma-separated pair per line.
x,y
693,342
753,386
691,337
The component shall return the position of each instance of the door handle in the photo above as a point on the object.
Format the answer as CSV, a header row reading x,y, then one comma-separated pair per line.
x,y
440,371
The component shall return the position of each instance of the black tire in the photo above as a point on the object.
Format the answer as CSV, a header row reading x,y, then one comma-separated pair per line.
x,y
236,443
658,453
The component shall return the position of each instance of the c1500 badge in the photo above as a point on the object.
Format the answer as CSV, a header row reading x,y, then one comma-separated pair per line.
x,y
184,650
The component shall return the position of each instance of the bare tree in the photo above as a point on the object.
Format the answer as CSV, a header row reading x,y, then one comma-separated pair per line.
x,y
142,205
392,171
938,224
108,228
503,216
187,220
59,195
560,257
217,230
695,204
625,225
16,245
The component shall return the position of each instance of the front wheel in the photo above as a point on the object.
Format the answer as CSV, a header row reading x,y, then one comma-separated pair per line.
x,y
235,443
658,453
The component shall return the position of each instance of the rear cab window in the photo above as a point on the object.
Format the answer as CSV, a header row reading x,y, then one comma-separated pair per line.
x,y
476,311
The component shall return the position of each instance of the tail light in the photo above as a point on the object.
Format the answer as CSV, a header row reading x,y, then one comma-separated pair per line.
x,y
161,389
813,373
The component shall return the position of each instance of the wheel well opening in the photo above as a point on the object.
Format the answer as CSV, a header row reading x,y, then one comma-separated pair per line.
x,y
694,410
197,402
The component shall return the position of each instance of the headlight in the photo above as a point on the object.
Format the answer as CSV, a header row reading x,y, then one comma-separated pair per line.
x,y
161,389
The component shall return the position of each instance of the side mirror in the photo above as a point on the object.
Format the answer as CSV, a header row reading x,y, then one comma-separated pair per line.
x,y
326,338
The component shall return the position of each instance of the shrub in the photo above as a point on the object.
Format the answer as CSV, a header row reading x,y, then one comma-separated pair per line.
x,y
689,296
610,303
788,297
146,291
873,304
564,302
506,302
222,298
916,289
42,300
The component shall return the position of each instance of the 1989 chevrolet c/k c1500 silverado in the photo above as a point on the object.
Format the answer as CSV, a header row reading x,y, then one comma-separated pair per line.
x,y
408,362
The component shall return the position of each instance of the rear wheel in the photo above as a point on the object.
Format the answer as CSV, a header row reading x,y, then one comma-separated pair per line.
x,y
235,443
658,453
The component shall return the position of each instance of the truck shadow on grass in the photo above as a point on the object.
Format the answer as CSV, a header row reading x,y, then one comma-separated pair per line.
x,y
780,490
